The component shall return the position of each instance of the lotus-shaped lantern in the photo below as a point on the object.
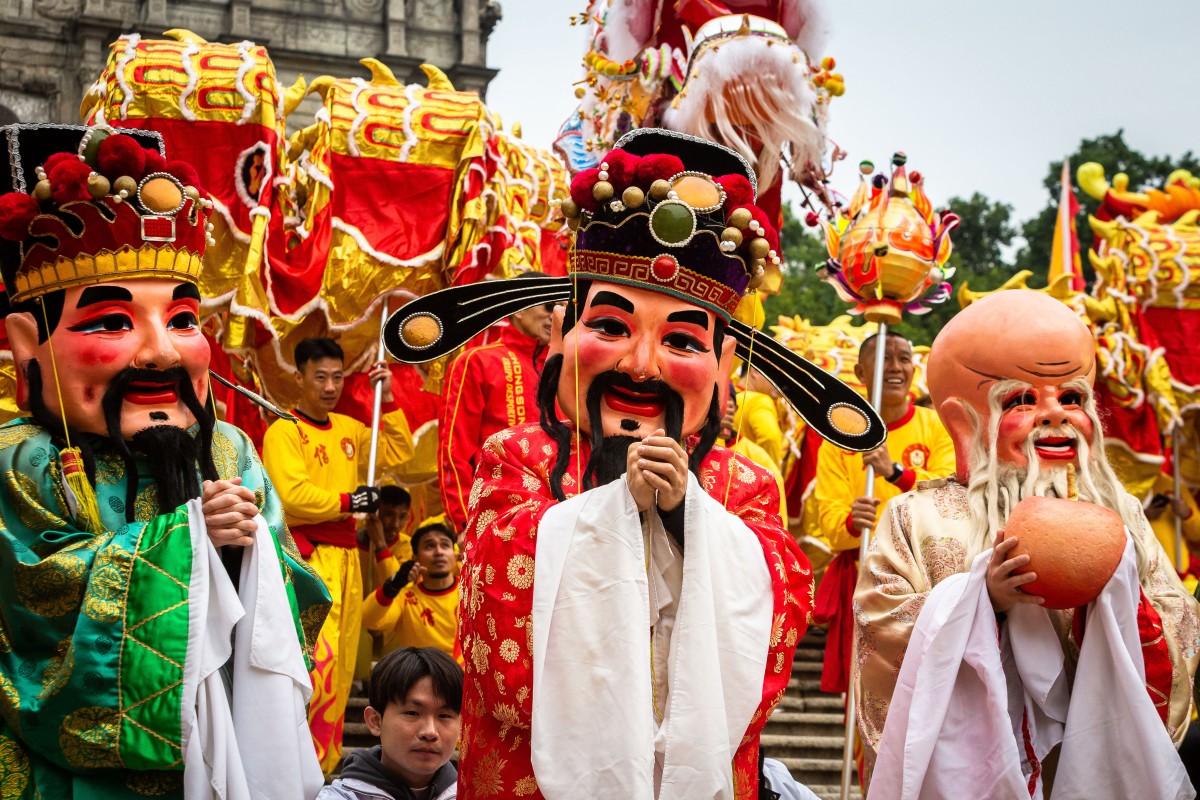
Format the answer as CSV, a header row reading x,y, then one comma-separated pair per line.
x,y
888,251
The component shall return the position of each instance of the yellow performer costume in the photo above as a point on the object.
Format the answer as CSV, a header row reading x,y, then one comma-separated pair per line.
x,y
757,419
417,617
314,468
918,442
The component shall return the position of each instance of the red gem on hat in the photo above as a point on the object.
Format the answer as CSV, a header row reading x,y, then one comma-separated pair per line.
x,y
664,268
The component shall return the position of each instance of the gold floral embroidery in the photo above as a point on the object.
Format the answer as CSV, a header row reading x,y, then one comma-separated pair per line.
x,y
145,506
480,650
520,571
525,786
225,456
486,776
51,587
14,768
154,783
509,650
88,738
105,590
110,469
24,494
15,434
10,703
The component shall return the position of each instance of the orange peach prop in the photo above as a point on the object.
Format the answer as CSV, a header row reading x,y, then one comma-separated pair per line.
x,y
1074,547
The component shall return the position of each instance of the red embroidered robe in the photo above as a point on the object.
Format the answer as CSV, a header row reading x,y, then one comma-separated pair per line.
x,y
510,494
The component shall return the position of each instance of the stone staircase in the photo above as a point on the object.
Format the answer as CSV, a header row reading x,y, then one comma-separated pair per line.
x,y
805,732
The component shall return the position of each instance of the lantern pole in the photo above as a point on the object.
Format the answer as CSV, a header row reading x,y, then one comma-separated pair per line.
x,y
1177,487
378,404
864,543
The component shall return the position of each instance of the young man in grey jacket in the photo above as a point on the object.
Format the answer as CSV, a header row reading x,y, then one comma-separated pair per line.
x,y
415,700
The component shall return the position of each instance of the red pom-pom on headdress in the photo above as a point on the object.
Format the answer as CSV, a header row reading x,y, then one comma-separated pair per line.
x,y
622,170
659,166
184,171
155,162
121,155
68,181
17,210
581,189
56,159
738,191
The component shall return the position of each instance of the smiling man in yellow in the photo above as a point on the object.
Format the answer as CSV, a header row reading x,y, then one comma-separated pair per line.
x,y
317,466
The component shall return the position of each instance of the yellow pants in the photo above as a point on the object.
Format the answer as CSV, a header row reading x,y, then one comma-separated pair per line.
x,y
336,651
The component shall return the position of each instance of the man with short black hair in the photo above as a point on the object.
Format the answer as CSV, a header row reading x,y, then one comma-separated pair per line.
x,y
415,704
488,389
426,614
316,465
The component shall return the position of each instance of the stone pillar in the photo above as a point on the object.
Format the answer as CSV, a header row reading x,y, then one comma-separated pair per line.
x,y
395,33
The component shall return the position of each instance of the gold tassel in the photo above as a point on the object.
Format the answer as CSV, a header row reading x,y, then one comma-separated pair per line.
x,y
1072,492
87,509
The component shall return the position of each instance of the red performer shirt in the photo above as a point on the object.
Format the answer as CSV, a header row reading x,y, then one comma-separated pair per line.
x,y
510,494
488,388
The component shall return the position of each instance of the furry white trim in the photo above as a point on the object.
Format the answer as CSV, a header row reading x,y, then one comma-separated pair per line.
x,y
131,43
251,101
745,78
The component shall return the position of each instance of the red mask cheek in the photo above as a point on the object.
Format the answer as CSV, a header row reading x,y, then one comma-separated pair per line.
x,y
1013,431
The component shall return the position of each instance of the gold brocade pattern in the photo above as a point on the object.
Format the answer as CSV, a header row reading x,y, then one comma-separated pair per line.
x,y
311,620
10,703
487,775
16,434
23,493
5,643
145,506
58,669
154,783
110,470
105,590
520,571
14,768
525,786
51,587
88,738
225,457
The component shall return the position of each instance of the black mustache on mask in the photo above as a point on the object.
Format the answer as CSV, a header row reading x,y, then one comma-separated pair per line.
x,y
175,457
607,460
672,401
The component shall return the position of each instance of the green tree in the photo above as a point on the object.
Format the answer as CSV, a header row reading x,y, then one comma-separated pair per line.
x,y
1115,154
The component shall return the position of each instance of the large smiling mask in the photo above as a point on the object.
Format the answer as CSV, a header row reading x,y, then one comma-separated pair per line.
x,y
1037,354
101,241
668,240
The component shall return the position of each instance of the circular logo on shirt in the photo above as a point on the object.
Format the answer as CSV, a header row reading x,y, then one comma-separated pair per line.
x,y
915,456
348,447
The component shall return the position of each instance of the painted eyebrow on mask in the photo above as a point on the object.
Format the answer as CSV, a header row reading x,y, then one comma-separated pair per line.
x,y
103,294
186,291
693,317
611,299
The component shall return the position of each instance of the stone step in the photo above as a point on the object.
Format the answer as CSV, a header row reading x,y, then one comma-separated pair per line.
x,y
810,683
802,746
819,701
807,654
806,723
807,668
834,791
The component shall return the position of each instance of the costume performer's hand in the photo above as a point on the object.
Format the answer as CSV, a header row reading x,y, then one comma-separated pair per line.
x,y
880,459
663,465
229,512
375,533
364,498
407,573
863,512
381,374
1004,586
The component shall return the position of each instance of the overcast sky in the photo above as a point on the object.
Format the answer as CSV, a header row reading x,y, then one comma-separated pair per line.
x,y
982,96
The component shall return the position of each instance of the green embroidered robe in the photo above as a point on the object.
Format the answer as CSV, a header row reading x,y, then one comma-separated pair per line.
x,y
94,627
